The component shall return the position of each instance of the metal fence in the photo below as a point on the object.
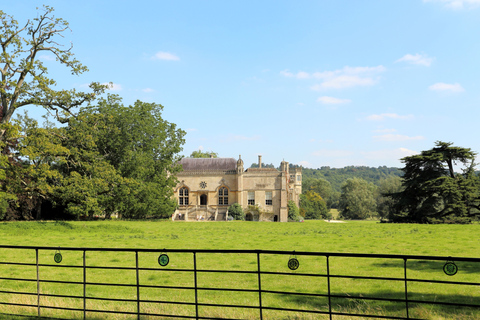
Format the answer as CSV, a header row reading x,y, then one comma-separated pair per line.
x,y
312,284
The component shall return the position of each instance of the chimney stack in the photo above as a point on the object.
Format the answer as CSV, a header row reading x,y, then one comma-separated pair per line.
x,y
259,161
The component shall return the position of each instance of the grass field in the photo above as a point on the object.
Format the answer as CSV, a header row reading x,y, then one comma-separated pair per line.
x,y
318,236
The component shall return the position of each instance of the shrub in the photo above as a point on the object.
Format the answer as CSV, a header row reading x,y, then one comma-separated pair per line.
x,y
236,211
293,211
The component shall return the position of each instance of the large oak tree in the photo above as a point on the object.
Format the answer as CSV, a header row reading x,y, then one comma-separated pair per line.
x,y
24,77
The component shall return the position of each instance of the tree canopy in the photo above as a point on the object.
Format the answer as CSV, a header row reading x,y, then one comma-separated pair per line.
x,y
433,192
201,154
312,206
357,200
25,78
108,159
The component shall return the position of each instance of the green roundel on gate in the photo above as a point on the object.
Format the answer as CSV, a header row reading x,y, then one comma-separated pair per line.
x,y
57,257
450,268
293,264
163,260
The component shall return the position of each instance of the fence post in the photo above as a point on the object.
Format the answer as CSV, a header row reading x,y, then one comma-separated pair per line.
x,y
38,283
259,286
84,286
138,285
328,285
195,280
406,290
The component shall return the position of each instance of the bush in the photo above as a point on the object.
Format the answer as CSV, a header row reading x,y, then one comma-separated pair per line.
x,y
236,211
293,211
313,206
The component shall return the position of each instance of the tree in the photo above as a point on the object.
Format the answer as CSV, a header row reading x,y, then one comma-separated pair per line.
x,y
264,165
357,200
293,211
143,148
313,206
385,203
323,188
236,211
24,77
108,159
433,192
200,154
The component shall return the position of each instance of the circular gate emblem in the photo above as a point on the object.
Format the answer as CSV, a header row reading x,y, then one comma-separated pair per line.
x,y
163,260
293,264
57,257
450,268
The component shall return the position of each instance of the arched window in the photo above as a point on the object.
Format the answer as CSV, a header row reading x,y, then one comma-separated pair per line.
x,y
183,197
223,196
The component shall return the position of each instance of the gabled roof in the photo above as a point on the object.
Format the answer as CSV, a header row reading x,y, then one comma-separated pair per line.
x,y
195,164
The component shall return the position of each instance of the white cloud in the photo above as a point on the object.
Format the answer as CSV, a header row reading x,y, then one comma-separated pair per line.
x,y
396,137
457,4
388,154
148,90
165,56
346,77
332,100
440,86
420,59
303,75
113,86
383,116
347,81
287,73
305,164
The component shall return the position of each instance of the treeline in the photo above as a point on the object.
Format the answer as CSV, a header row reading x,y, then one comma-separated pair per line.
x,y
436,186
337,176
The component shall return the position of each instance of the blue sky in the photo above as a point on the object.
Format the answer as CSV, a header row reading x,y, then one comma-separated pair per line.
x,y
317,83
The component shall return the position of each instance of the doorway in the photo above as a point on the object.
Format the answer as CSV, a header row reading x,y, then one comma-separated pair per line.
x,y
203,200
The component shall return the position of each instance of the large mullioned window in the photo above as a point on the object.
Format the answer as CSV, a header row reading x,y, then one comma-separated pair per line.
x,y
268,198
183,197
251,198
223,196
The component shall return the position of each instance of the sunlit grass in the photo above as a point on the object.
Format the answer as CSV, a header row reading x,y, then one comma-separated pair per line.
x,y
317,236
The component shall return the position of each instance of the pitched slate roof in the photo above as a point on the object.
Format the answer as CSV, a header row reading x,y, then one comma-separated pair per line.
x,y
196,164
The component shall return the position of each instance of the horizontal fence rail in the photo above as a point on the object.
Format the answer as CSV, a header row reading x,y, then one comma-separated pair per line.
x,y
83,283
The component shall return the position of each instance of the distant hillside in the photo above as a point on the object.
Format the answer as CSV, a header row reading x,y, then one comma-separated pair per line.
x,y
337,176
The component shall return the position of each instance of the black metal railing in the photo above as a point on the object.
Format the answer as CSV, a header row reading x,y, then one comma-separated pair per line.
x,y
247,284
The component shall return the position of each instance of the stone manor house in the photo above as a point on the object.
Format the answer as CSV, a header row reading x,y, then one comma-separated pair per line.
x,y
208,186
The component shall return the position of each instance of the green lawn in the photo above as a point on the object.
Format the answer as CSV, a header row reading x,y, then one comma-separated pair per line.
x,y
318,236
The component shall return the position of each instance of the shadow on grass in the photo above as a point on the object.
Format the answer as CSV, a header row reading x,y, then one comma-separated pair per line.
x,y
358,305
431,266
5,316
